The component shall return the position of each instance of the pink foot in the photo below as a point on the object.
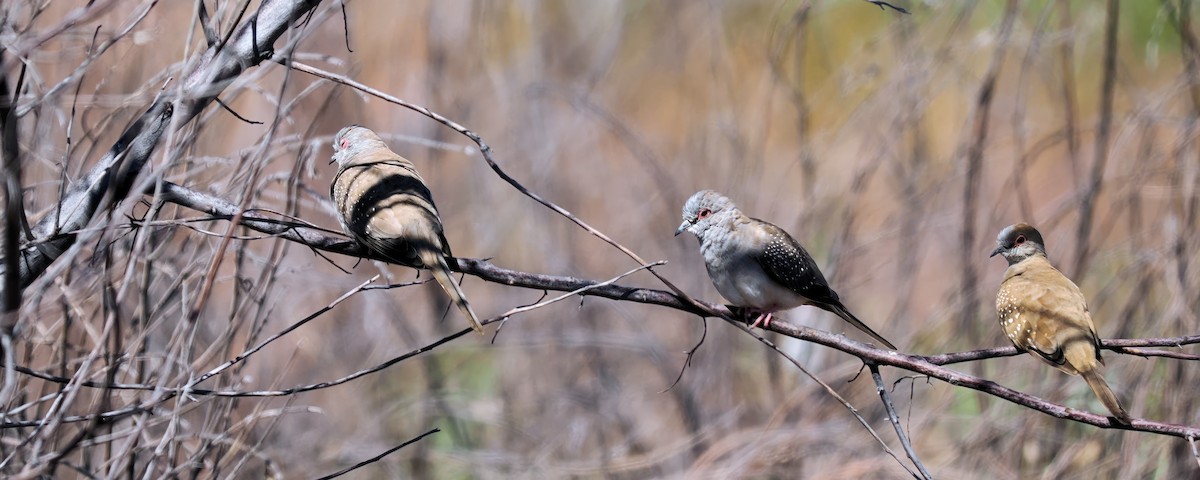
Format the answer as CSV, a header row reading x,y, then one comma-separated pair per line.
x,y
764,317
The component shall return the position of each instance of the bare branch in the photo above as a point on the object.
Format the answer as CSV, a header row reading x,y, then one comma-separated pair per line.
x,y
828,389
882,390
920,365
115,173
378,457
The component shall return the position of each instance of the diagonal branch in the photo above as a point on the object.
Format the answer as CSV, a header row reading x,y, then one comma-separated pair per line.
x,y
380,456
109,181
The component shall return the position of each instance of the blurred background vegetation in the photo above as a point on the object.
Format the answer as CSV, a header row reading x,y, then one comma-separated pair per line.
x,y
893,146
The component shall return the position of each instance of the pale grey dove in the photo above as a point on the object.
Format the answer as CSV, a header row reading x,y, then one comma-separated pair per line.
x,y
758,266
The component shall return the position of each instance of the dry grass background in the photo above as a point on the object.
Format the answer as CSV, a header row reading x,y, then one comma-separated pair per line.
x,y
848,126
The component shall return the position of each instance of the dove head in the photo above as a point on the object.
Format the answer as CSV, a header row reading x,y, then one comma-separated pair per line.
x,y
352,140
1018,242
705,209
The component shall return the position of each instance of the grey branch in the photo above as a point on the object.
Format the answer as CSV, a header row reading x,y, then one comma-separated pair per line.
x,y
112,177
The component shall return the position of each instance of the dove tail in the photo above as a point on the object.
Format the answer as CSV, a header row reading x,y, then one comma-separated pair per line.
x,y
441,272
1106,395
841,311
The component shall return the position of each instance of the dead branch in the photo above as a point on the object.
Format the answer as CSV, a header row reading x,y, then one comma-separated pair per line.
x,y
112,177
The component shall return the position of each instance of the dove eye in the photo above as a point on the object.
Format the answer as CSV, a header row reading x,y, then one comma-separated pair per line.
x,y
704,212
1020,240
345,143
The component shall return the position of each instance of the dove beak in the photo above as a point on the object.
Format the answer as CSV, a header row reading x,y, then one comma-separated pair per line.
x,y
996,251
683,226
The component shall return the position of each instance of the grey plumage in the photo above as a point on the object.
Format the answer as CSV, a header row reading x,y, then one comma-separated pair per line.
x,y
383,203
1045,314
757,265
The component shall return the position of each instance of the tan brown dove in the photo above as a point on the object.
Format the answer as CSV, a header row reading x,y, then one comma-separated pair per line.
x,y
383,203
1044,313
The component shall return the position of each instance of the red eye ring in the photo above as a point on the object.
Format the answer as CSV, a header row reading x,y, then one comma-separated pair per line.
x,y
704,212
1020,240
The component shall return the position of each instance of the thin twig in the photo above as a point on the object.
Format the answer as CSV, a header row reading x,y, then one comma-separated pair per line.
x,y
1146,353
881,4
833,393
380,456
1195,453
578,291
281,333
687,362
233,112
895,419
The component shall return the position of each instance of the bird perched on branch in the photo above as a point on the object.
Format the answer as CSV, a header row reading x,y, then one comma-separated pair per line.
x,y
383,203
758,266
1044,313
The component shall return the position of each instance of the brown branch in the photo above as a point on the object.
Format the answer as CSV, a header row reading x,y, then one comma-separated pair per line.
x,y
919,364
972,355
1146,353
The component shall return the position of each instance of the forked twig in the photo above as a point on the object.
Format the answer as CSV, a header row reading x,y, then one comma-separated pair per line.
x,y
833,393
895,419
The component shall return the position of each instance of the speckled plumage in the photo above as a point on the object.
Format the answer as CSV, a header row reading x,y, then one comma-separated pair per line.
x,y
757,265
1044,313
383,203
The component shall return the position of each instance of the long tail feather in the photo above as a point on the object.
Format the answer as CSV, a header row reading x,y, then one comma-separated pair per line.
x,y
441,272
1106,395
849,317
